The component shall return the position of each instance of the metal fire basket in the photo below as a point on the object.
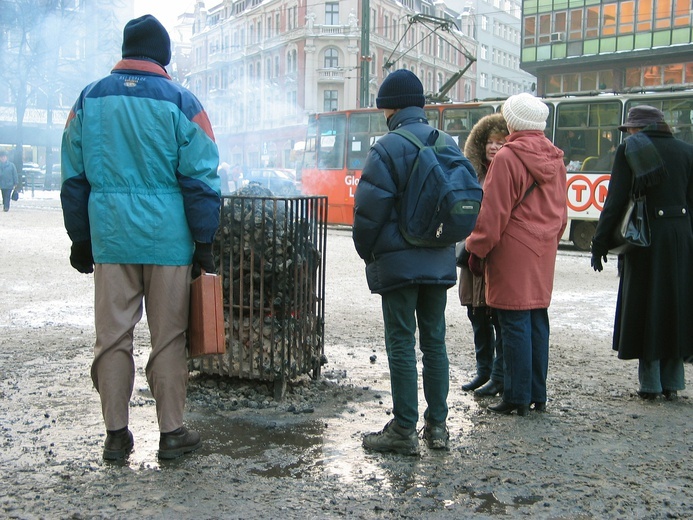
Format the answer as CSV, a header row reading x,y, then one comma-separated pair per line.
x,y
271,256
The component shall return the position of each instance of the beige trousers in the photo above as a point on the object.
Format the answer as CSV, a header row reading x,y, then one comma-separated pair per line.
x,y
119,290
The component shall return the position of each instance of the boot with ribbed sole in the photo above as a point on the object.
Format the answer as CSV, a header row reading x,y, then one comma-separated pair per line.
x,y
393,438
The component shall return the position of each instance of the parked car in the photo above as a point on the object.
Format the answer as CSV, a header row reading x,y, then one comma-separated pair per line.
x,y
33,177
280,181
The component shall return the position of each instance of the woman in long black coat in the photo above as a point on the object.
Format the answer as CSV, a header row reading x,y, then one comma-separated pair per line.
x,y
654,310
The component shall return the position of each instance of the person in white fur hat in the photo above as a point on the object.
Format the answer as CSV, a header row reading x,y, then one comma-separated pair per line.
x,y
517,232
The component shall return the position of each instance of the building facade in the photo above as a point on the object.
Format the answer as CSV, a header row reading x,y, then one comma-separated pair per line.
x,y
496,26
607,46
261,67
49,52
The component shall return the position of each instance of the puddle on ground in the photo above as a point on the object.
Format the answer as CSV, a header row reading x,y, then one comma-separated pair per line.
x,y
491,505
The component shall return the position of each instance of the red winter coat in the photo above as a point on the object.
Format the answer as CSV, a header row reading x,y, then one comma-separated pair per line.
x,y
519,238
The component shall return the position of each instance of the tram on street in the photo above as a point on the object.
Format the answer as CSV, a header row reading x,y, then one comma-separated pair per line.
x,y
584,126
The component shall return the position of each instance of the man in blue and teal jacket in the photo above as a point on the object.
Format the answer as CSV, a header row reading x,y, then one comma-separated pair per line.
x,y
141,200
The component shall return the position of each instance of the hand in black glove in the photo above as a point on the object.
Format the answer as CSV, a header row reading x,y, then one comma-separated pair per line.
x,y
203,260
475,265
81,257
597,255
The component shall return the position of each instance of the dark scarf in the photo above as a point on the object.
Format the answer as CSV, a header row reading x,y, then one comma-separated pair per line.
x,y
643,158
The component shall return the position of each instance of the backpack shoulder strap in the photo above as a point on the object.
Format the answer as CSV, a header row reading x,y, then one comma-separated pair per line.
x,y
409,137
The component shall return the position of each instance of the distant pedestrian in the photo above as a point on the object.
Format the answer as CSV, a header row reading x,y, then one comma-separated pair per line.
x,y
140,197
654,307
520,224
412,281
9,180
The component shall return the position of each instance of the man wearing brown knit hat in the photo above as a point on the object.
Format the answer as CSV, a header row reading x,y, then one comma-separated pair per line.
x,y
140,197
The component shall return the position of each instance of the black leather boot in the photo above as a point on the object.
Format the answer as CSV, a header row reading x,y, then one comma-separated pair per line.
x,y
178,442
490,389
475,383
507,408
118,444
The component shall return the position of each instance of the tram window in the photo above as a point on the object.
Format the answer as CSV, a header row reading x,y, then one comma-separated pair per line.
x,y
364,130
459,121
677,113
331,139
432,116
588,133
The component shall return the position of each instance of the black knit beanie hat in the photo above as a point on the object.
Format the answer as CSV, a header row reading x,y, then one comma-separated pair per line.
x,y
400,89
145,37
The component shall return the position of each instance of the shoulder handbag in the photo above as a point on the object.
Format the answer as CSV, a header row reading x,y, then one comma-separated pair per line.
x,y
633,229
15,195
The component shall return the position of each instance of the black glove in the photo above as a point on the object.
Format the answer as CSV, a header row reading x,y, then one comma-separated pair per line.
x,y
203,260
81,257
597,255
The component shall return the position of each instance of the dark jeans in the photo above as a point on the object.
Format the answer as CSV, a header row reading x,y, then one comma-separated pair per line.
x,y
661,374
402,310
487,342
6,198
525,336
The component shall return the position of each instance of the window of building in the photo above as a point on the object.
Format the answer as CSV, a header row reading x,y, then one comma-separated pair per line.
x,y
331,13
276,67
673,74
544,35
682,13
483,80
291,102
530,30
292,61
292,17
663,12
331,101
575,24
484,22
592,22
331,58
609,20
560,21
652,76
626,17
483,52
688,78
386,26
644,16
